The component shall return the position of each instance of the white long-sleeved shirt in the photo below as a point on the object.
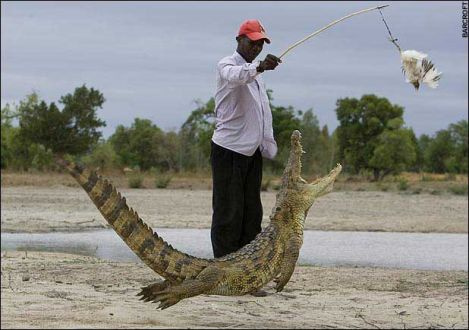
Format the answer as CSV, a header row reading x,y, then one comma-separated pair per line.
x,y
243,114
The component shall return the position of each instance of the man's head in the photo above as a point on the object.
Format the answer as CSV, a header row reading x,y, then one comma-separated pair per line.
x,y
251,37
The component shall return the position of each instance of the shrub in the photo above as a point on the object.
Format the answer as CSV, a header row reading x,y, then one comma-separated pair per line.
x,y
450,177
403,184
382,186
266,183
458,189
135,180
277,186
427,178
102,156
162,181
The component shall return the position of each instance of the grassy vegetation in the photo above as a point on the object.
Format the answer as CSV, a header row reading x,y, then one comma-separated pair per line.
x,y
162,181
135,180
267,182
458,189
405,183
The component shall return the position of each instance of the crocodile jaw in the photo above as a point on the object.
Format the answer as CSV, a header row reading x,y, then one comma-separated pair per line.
x,y
323,185
296,195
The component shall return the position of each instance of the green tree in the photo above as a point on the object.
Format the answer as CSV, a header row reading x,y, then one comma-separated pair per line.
x,y
310,139
102,155
423,142
394,152
7,130
139,145
71,130
16,152
359,133
417,164
459,133
195,136
316,143
284,121
447,151
170,153
439,152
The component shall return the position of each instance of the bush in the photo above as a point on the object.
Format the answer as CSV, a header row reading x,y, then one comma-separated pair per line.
x,y
403,184
382,186
266,183
102,156
458,190
450,177
135,180
427,178
417,191
162,181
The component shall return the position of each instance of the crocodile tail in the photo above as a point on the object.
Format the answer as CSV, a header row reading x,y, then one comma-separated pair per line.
x,y
160,256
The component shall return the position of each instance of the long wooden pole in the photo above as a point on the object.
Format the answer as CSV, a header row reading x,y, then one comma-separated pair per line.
x,y
328,26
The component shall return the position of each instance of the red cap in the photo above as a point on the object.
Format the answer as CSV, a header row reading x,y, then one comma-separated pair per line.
x,y
253,29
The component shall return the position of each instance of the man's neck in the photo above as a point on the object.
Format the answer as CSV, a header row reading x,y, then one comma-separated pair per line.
x,y
243,56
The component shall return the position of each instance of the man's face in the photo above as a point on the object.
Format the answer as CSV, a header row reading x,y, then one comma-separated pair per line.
x,y
248,48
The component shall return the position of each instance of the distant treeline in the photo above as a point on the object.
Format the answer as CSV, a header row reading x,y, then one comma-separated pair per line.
x,y
371,138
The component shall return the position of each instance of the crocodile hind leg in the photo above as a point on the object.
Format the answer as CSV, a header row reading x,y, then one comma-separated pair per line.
x,y
172,294
149,292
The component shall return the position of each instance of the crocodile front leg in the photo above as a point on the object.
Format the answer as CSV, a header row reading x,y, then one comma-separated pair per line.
x,y
203,283
292,252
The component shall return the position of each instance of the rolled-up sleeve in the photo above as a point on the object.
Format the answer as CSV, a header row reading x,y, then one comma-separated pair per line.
x,y
238,74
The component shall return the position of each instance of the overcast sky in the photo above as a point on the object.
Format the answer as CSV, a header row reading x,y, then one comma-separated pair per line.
x,y
154,59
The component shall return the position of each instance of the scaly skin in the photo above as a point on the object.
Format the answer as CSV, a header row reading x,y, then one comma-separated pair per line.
x,y
271,255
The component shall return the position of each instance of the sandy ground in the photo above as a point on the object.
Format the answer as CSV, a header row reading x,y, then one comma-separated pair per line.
x,y
60,208
53,290
50,290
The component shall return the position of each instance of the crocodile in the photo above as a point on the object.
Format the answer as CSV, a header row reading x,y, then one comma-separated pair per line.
x,y
272,255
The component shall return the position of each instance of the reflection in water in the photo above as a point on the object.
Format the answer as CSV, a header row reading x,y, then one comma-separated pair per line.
x,y
82,249
376,249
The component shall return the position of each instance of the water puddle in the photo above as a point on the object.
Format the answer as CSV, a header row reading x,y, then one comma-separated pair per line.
x,y
327,248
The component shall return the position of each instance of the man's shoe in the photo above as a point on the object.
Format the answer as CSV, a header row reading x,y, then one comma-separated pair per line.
x,y
259,293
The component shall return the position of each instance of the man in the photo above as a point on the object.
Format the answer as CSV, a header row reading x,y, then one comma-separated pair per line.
x,y
243,135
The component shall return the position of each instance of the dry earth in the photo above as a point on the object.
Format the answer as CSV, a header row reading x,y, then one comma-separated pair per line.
x,y
51,290
60,208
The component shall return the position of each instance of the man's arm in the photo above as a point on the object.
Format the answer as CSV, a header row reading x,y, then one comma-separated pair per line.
x,y
244,74
269,63
238,74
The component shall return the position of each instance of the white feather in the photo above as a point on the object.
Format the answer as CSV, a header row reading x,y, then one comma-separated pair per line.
x,y
413,54
432,77
417,69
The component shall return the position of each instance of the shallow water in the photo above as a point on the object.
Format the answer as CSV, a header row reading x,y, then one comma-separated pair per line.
x,y
327,248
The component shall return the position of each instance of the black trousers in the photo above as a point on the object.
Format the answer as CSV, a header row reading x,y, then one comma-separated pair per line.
x,y
236,199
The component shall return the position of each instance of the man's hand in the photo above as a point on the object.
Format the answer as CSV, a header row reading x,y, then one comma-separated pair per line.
x,y
269,63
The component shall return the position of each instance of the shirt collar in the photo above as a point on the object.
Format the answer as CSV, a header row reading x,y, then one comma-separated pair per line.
x,y
239,58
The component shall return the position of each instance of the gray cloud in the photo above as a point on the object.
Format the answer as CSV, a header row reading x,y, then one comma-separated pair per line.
x,y
153,59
